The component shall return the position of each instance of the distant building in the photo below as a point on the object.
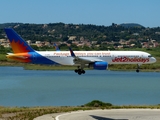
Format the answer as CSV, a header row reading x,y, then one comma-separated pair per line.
x,y
72,38
4,43
29,42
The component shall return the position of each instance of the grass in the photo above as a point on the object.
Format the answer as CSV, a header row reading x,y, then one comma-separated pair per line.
x,y
147,67
125,67
3,57
29,113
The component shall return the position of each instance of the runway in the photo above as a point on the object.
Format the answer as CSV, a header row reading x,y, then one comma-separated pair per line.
x,y
113,114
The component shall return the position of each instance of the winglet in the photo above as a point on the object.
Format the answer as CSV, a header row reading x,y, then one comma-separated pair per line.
x,y
56,47
17,43
72,53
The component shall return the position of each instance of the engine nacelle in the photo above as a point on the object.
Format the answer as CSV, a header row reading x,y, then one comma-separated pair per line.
x,y
99,65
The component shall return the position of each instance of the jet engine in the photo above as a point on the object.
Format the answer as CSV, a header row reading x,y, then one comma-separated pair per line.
x,y
99,65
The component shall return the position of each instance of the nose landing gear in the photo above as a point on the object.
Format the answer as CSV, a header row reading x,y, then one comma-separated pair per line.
x,y
137,70
138,67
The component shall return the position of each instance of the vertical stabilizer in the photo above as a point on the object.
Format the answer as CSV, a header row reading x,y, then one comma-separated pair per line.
x,y
17,43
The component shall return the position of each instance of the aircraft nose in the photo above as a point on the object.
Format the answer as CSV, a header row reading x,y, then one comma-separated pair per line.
x,y
153,60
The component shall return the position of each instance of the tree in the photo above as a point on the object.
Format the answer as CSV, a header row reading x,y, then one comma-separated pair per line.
x,y
35,47
2,50
97,103
65,39
63,47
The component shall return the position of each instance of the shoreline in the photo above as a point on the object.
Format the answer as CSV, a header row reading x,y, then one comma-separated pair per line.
x,y
28,66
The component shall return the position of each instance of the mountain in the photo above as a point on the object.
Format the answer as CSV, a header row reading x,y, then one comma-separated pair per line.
x,y
129,25
62,32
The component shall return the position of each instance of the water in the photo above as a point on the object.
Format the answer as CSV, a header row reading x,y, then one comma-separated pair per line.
x,y
20,87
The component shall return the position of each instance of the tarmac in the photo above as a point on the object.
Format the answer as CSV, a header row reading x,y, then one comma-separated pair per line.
x,y
112,114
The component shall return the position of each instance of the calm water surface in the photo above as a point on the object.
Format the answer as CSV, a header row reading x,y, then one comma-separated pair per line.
x,y
20,87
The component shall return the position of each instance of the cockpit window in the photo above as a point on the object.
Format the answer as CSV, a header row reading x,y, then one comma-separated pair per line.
x,y
149,55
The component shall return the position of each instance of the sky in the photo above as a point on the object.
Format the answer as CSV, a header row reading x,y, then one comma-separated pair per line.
x,y
96,12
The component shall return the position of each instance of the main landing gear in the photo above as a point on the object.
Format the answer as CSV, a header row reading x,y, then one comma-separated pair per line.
x,y
80,70
138,67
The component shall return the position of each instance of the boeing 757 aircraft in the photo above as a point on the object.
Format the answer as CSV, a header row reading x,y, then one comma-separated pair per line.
x,y
97,59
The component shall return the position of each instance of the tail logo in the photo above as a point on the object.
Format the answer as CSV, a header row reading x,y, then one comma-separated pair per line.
x,y
17,43
18,47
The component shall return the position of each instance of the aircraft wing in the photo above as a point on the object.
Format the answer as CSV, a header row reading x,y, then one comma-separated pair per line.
x,y
83,60
89,60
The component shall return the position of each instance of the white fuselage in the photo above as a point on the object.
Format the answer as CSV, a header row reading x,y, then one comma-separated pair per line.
x,y
111,57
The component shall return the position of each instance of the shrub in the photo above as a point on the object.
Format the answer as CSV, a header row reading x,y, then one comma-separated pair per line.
x,y
97,103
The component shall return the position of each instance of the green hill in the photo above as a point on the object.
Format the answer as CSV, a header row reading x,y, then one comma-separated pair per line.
x,y
61,32
128,25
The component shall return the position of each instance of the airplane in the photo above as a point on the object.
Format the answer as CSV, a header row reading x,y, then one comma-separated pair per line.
x,y
99,60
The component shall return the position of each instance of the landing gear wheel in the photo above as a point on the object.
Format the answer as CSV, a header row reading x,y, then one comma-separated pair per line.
x,y
76,71
137,70
79,72
83,71
138,66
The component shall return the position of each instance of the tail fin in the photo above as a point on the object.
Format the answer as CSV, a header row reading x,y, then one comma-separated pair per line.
x,y
17,43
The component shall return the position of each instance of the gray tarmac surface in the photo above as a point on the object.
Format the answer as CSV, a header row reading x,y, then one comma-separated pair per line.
x,y
113,114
